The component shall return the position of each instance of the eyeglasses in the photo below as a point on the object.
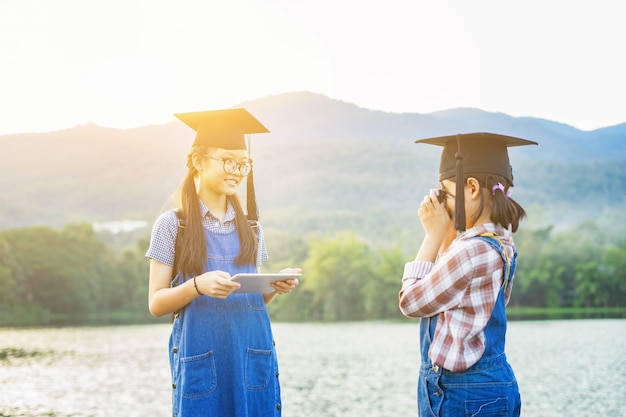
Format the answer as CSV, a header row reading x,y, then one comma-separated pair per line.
x,y
231,166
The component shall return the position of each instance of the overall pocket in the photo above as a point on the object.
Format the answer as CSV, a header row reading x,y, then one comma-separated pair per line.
x,y
198,375
481,393
487,408
258,368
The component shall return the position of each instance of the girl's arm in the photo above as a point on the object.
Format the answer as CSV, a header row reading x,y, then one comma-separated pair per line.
x,y
428,288
163,299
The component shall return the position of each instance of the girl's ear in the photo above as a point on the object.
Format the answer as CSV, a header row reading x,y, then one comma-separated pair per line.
x,y
197,161
474,187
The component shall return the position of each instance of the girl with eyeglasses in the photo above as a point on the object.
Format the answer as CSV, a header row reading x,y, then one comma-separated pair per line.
x,y
221,348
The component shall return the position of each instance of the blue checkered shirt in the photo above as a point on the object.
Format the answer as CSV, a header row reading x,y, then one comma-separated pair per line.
x,y
165,229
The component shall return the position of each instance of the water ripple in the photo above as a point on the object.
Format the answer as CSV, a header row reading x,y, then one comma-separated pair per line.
x,y
564,368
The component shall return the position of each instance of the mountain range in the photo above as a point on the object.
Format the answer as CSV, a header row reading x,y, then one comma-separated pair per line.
x,y
327,165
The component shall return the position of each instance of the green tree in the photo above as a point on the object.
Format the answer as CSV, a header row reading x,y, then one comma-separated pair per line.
x,y
381,292
133,270
336,272
285,251
533,284
87,260
615,264
8,284
41,254
7,289
581,251
600,283
64,271
560,271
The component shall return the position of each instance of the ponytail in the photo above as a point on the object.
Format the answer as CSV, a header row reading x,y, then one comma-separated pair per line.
x,y
192,256
504,210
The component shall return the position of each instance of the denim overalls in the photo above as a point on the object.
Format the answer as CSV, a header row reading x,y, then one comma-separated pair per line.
x,y
222,355
487,388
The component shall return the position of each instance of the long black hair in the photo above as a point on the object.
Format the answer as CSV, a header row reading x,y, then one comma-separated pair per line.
x,y
191,254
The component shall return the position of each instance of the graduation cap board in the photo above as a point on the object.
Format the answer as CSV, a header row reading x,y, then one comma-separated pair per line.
x,y
473,154
224,129
227,129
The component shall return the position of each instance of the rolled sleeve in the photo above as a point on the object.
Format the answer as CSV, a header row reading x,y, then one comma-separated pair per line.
x,y
410,302
416,270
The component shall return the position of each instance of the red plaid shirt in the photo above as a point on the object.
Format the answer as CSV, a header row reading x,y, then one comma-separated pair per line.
x,y
461,288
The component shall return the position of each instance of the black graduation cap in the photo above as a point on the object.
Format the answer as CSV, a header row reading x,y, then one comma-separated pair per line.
x,y
474,154
227,129
224,129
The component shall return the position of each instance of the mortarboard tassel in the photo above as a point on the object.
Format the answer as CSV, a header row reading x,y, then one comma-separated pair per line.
x,y
253,213
459,203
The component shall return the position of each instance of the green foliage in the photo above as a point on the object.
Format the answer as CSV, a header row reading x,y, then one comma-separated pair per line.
x,y
381,293
73,276
70,273
8,284
343,280
577,268
614,270
337,271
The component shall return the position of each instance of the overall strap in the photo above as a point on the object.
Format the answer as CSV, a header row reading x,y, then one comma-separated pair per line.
x,y
254,224
177,249
181,228
509,264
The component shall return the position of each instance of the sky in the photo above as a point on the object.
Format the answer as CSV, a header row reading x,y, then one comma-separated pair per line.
x,y
130,63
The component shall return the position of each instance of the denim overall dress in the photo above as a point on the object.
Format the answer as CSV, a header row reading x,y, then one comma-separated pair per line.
x,y
486,389
222,355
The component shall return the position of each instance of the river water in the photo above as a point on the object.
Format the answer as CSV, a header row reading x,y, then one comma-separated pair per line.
x,y
564,368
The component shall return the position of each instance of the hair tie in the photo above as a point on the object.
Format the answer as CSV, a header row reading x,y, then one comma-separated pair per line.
x,y
500,187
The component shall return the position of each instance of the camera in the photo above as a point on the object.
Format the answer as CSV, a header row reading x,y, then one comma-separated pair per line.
x,y
441,195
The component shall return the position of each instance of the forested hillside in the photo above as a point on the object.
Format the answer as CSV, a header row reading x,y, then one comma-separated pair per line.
x,y
327,165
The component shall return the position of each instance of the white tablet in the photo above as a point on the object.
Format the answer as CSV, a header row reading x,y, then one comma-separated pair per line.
x,y
259,282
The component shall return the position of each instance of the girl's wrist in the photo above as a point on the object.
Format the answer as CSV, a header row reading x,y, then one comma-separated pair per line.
x,y
195,285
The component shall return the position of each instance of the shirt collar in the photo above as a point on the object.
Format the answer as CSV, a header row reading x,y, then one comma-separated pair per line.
x,y
229,216
487,228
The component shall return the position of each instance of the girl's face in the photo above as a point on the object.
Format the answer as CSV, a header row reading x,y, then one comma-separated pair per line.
x,y
220,171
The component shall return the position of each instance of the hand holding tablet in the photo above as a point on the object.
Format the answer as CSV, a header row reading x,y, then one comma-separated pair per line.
x,y
260,283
